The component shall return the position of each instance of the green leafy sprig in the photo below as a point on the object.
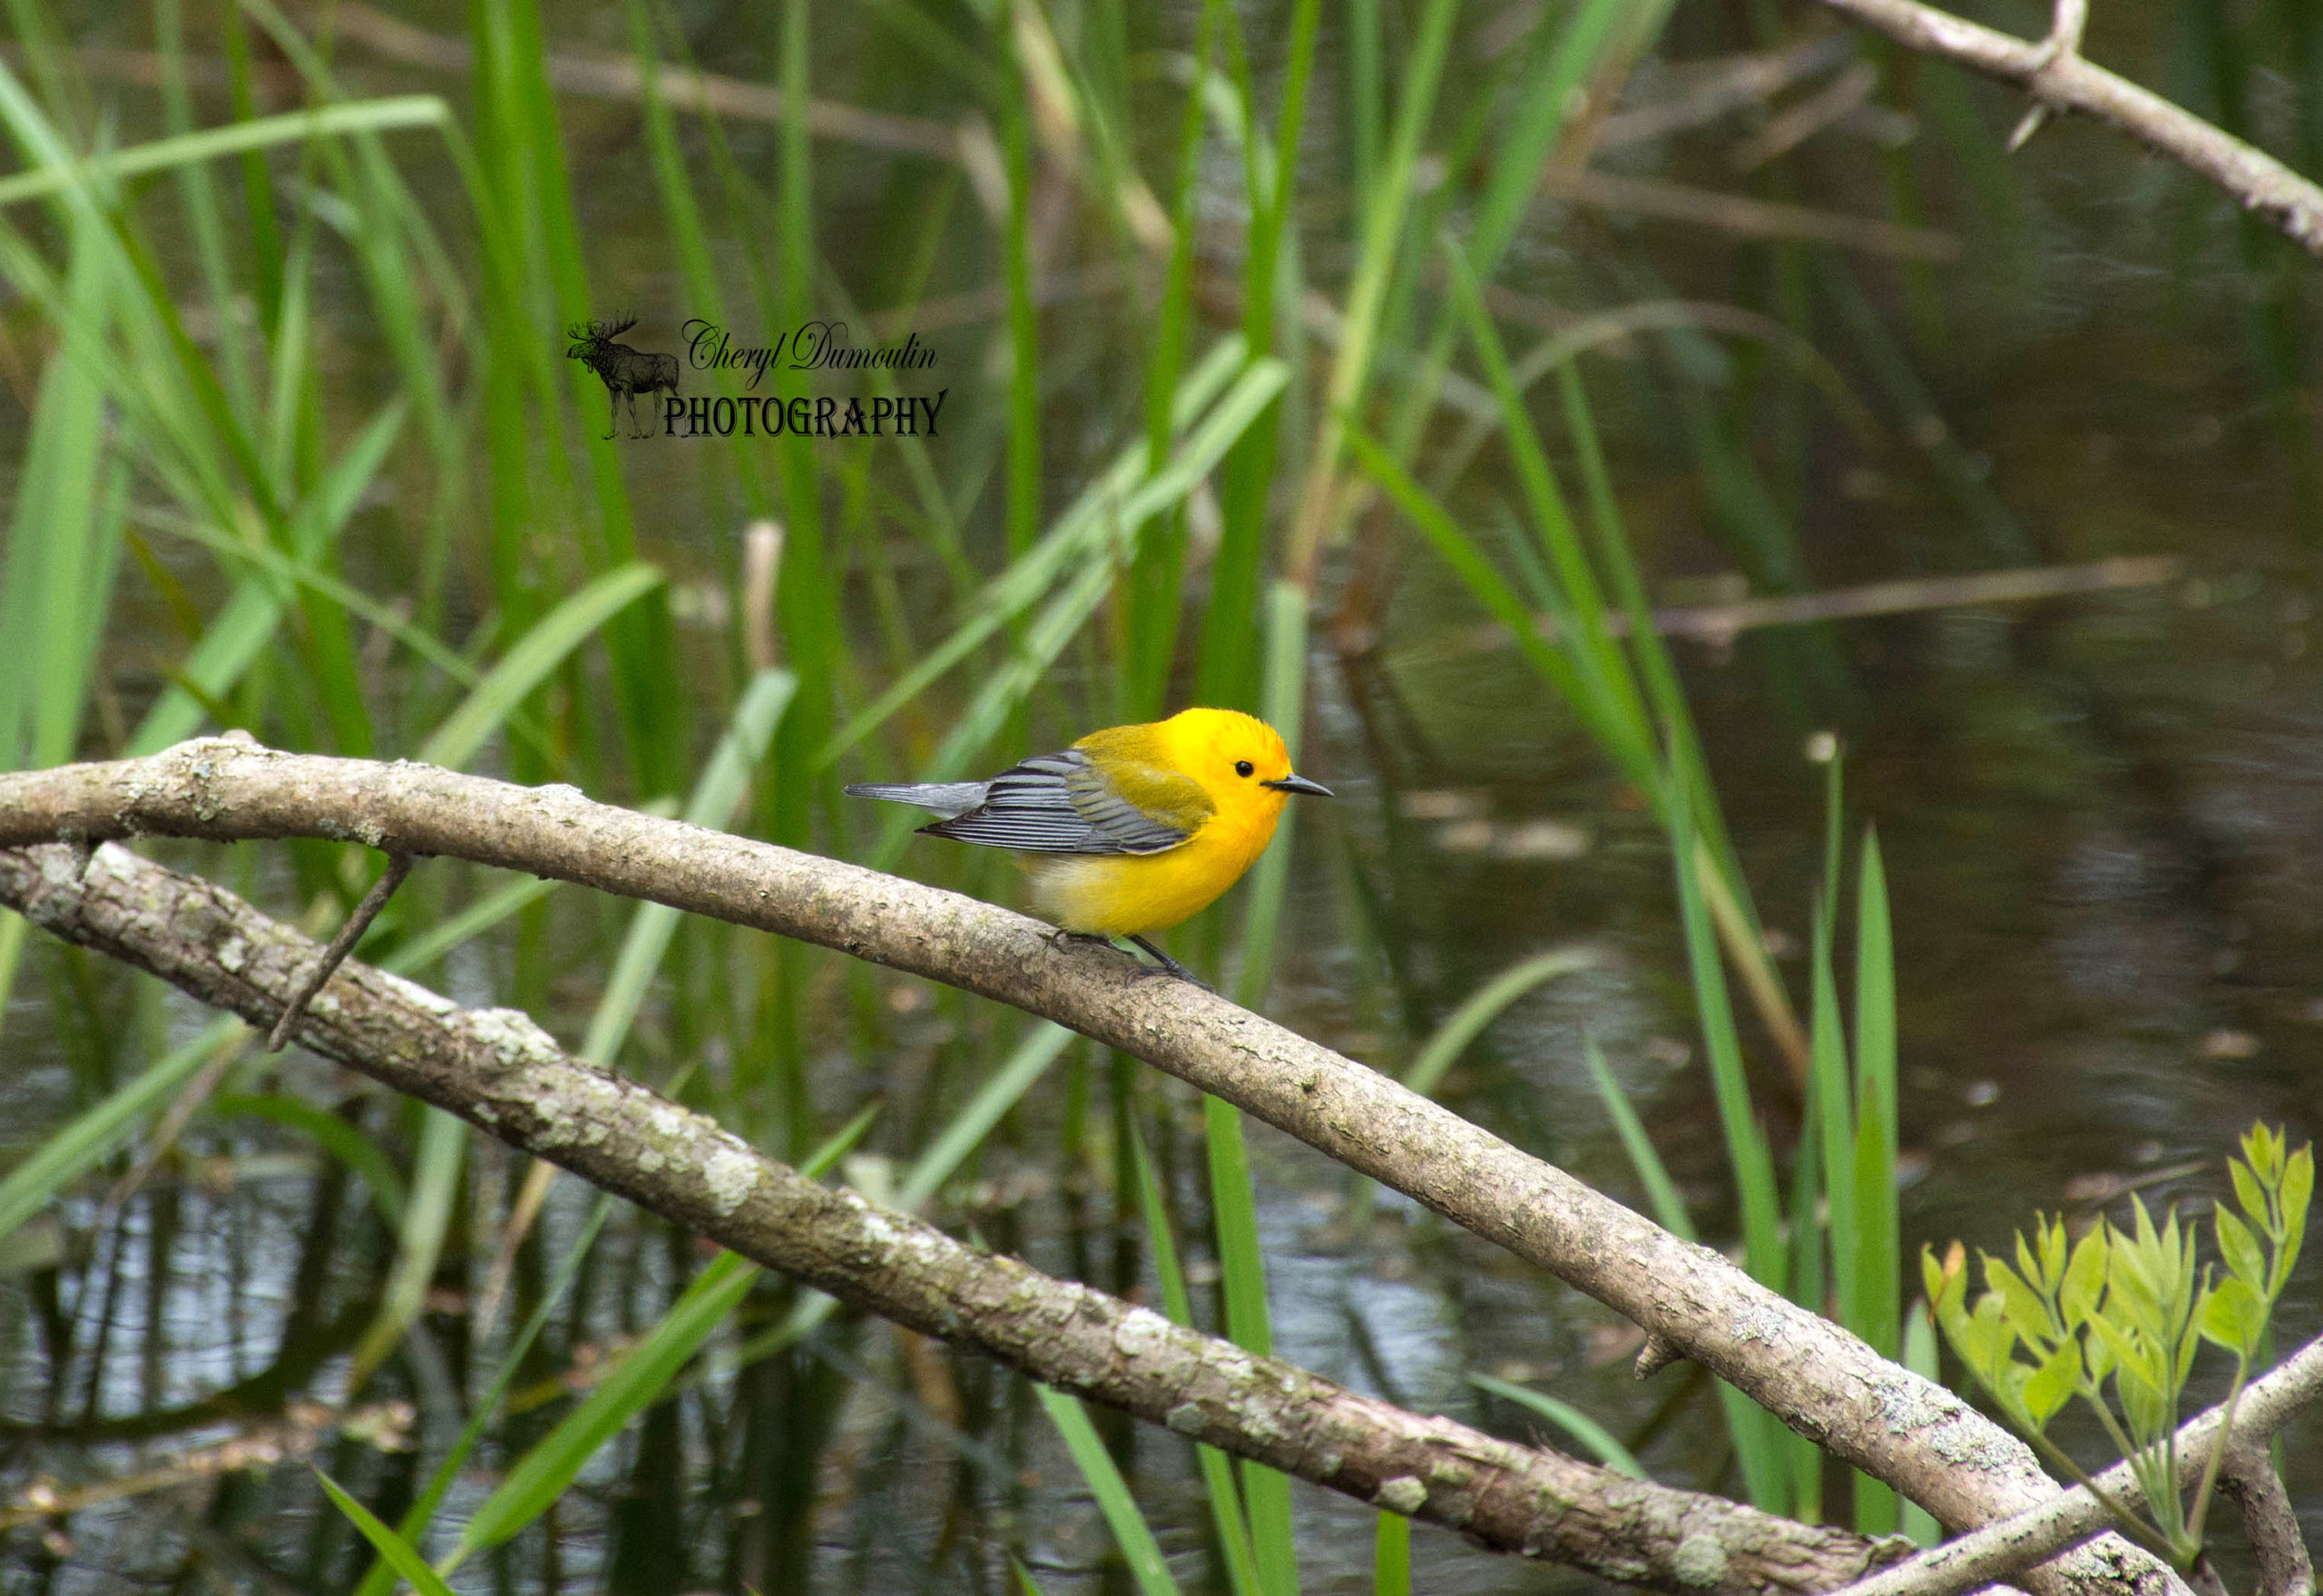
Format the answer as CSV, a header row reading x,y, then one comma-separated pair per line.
x,y
2116,1319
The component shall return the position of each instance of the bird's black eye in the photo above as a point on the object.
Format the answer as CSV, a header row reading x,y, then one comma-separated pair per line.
x,y
1243,767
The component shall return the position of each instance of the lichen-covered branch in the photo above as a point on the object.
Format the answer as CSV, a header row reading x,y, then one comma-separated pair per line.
x,y
1820,1380
2061,80
2250,1483
496,1069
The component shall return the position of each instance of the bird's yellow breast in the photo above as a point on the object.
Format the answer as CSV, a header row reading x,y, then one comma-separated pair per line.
x,y
1127,894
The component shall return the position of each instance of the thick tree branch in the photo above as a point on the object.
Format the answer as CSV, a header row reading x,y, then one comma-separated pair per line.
x,y
1998,1551
1820,1380
497,1070
2061,80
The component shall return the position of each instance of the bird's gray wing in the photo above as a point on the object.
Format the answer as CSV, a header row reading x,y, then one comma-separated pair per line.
x,y
1061,803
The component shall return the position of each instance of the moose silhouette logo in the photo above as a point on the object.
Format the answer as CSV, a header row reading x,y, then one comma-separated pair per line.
x,y
625,372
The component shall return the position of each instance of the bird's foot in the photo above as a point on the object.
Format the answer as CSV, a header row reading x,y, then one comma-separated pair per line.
x,y
1171,966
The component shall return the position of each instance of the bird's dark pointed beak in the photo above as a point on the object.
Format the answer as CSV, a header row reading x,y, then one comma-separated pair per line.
x,y
1299,784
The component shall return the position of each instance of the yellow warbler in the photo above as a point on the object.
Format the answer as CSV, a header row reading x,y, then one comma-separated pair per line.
x,y
1133,829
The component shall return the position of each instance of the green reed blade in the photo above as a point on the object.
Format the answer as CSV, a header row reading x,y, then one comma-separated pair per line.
x,y
1391,1556
1761,1445
1283,704
1385,214
1920,1356
1481,1007
1242,1269
942,1158
1225,669
398,1553
1156,599
541,1474
1490,588
57,571
426,1220
1596,1438
716,794
1669,1207
1084,526
363,1157
1123,1515
1879,1266
71,1150
1217,1468
1606,670
402,111
251,615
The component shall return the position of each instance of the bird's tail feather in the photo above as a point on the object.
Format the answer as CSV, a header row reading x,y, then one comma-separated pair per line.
x,y
950,799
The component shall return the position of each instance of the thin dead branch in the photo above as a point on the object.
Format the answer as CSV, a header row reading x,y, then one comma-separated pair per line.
x,y
2065,81
398,866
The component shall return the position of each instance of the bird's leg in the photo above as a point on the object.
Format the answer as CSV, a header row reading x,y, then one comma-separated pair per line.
x,y
1171,966
1061,934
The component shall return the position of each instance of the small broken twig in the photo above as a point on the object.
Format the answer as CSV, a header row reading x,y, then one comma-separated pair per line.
x,y
2072,18
398,866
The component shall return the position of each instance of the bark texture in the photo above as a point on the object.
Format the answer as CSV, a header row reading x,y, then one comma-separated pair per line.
x,y
1817,1378
497,1070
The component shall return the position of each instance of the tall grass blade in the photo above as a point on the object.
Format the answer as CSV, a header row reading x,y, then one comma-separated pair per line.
x,y
1481,1007
1243,1267
251,615
1596,1438
1385,216
1083,528
1669,1207
1760,1442
1878,1308
1921,1357
435,1186
942,1158
56,576
531,660
398,1553
716,794
1223,671
1391,1556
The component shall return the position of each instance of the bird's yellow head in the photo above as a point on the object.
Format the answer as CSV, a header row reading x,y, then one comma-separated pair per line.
x,y
1238,758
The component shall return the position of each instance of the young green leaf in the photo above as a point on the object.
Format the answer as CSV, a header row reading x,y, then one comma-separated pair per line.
x,y
2084,1281
2299,1187
2026,1311
2054,1383
2251,1193
2245,1261
2235,1318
